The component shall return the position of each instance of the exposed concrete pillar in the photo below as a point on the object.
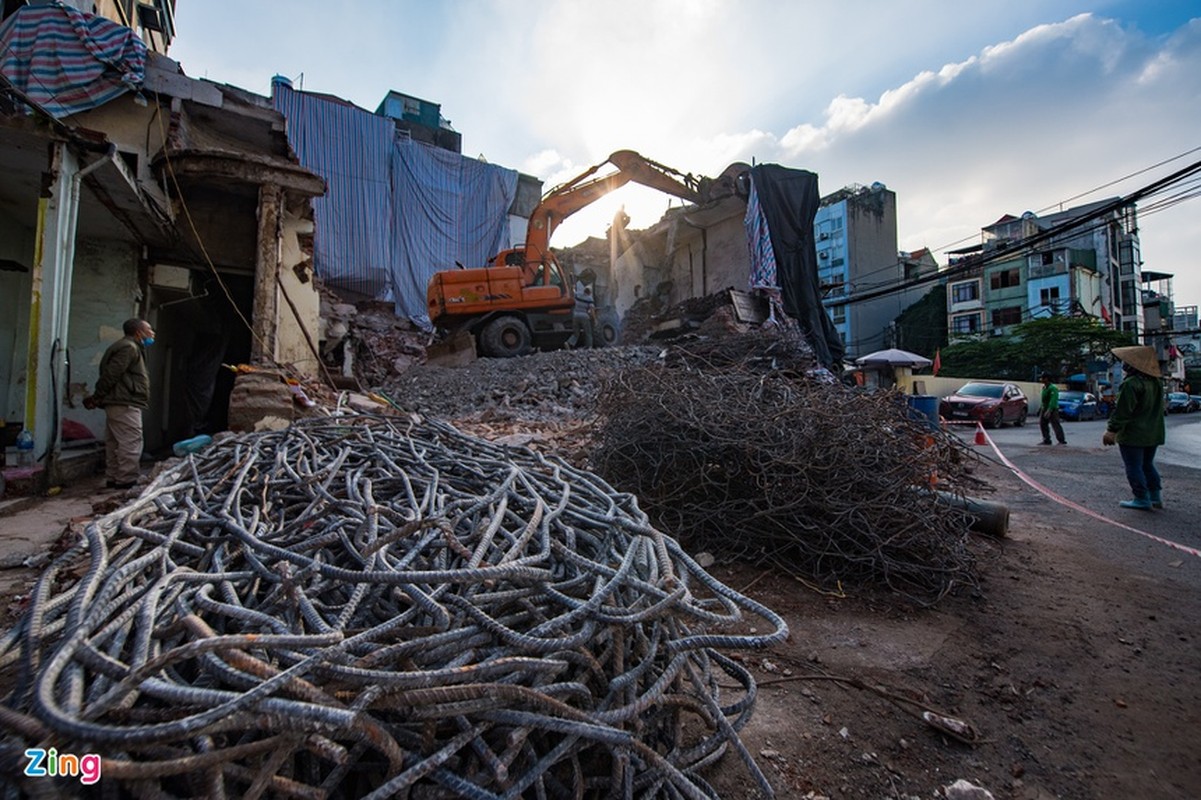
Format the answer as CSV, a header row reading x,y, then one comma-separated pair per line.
x,y
266,271
50,280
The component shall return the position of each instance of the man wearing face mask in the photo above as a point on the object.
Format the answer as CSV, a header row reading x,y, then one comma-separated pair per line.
x,y
123,391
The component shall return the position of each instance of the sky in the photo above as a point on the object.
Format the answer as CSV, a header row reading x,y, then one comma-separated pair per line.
x,y
967,110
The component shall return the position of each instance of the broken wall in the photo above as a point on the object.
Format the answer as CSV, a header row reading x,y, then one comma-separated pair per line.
x,y
137,131
104,293
300,325
16,245
696,251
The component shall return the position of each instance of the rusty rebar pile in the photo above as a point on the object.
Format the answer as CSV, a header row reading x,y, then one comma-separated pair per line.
x,y
735,448
364,607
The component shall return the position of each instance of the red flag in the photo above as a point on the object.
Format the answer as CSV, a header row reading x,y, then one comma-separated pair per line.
x,y
937,360
1105,315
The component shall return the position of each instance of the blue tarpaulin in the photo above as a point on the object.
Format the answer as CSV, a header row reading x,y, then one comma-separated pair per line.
x,y
66,61
397,210
352,149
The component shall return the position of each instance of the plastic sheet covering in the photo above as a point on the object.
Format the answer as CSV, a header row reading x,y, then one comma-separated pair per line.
x,y
451,209
789,200
67,61
396,210
763,273
352,149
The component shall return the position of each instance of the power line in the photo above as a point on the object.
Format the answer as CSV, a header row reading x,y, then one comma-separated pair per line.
x,y
1146,211
1024,246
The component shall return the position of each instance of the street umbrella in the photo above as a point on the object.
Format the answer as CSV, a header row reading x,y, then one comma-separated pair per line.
x,y
893,358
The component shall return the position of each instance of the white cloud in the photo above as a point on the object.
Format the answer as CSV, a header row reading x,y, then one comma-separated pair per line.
x,y
967,111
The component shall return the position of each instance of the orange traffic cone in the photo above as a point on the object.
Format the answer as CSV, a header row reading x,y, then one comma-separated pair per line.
x,y
981,436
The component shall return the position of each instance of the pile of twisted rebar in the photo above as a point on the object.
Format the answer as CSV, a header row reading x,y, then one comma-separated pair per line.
x,y
372,607
734,446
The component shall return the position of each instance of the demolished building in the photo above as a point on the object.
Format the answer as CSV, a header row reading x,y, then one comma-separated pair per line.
x,y
146,194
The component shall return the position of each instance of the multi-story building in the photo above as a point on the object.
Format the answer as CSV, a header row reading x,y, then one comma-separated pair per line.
x,y
1092,268
421,120
152,20
856,238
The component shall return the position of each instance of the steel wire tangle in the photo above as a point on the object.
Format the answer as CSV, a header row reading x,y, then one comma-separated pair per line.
x,y
829,483
362,606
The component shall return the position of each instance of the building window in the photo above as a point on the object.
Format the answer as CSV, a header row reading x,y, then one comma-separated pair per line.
x,y
965,324
1128,303
965,292
1048,296
1006,278
1006,316
840,313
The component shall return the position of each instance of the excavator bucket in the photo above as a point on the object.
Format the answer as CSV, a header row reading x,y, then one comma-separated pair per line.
x,y
456,350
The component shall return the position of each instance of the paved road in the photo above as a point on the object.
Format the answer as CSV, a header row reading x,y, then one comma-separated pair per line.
x,y
1091,475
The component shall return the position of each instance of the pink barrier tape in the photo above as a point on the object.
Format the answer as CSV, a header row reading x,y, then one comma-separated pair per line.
x,y
1038,487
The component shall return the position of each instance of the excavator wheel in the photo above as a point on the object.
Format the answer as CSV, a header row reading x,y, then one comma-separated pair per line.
x,y
505,337
606,331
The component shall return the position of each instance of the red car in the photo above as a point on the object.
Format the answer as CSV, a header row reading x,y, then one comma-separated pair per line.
x,y
994,404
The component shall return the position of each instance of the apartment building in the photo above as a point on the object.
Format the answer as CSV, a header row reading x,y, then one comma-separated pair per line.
x,y
856,238
1082,261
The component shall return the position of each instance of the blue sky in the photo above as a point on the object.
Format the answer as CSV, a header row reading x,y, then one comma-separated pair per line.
x,y
967,110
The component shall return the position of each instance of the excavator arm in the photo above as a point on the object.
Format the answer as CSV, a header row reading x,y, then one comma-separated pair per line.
x,y
568,198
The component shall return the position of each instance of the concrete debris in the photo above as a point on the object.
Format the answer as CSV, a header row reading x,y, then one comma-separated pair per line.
x,y
966,790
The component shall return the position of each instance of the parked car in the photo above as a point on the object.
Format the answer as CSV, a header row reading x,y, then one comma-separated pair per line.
x,y
1196,398
1077,406
993,404
1179,403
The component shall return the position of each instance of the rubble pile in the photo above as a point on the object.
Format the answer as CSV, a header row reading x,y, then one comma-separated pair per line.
x,y
735,448
362,606
643,321
367,343
546,400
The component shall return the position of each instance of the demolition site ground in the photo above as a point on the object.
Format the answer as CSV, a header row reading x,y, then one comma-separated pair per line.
x,y
1073,665
1078,671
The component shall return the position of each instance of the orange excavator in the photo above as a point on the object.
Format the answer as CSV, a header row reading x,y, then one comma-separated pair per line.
x,y
523,299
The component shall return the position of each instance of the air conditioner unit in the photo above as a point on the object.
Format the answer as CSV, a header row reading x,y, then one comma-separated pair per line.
x,y
150,18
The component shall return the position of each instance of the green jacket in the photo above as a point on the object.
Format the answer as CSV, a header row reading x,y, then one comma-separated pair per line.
x,y
124,379
1048,401
1137,417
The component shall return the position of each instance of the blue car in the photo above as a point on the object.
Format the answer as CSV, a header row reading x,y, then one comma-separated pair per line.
x,y
1077,406
1178,403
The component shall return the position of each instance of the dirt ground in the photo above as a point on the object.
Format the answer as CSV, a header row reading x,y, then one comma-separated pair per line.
x,y
1079,676
1080,679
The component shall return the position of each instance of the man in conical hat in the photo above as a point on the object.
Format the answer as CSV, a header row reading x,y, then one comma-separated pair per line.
x,y
1136,424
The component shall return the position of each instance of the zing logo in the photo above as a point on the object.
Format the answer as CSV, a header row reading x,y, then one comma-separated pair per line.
x,y
50,764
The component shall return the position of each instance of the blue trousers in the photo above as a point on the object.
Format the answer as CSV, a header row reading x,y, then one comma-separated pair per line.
x,y
1140,469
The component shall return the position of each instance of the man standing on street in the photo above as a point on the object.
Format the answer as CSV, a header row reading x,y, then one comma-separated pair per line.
x,y
123,391
1048,411
1136,424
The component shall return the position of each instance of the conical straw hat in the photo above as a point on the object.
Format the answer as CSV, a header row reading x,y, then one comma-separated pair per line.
x,y
1139,357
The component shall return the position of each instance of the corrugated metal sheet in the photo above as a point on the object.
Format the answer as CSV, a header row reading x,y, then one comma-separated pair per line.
x,y
68,62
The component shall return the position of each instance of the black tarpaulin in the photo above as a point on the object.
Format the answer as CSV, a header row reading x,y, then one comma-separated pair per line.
x,y
789,200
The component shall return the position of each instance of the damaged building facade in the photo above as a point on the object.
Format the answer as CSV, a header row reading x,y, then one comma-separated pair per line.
x,y
695,251
133,190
